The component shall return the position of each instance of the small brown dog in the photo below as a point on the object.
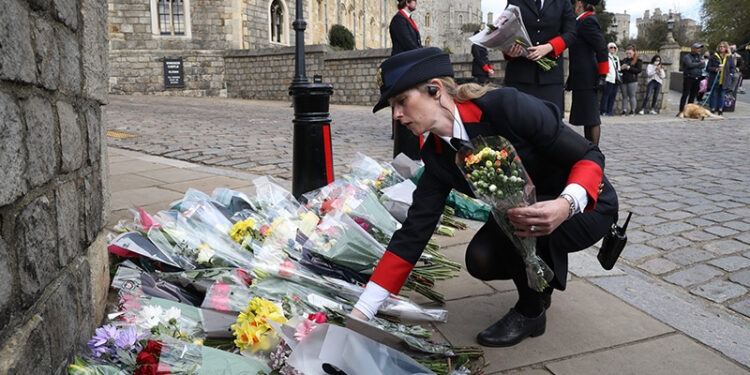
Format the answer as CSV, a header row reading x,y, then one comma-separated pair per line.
x,y
695,111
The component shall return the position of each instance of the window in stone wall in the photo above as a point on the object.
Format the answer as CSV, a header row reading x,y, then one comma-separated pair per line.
x,y
170,17
277,22
428,42
427,19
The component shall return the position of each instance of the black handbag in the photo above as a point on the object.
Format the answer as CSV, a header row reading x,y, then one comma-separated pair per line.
x,y
613,243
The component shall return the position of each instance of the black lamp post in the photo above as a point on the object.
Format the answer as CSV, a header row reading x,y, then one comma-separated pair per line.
x,y
670,27
313,154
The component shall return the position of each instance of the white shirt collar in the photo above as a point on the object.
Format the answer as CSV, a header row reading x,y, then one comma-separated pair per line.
x,y
459,131
408,14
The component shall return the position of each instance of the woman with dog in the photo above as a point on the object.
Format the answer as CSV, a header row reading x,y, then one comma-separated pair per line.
x,y
576,203
720,62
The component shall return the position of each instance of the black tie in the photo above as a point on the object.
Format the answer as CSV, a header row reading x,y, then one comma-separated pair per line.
x,y
459,143
538,5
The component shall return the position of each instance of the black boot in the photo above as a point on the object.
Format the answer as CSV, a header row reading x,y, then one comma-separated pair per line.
x,y
512,329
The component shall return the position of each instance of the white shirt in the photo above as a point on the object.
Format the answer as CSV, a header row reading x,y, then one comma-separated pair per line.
x,y
614,67
374,295
652,74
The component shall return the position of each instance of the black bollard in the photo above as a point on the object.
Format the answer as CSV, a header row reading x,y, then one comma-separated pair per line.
x,y
313,155
404,141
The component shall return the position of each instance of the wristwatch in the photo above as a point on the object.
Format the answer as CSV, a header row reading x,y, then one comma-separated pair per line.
x,y
571,205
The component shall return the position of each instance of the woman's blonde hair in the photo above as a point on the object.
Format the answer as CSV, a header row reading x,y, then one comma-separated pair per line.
x,y
460,93
725,44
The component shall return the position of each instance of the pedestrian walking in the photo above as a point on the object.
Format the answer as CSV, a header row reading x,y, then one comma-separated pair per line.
x,y
551,26
692,63
631,66
588,70
481,68
655,75
614,78
576,203
404,37
720,66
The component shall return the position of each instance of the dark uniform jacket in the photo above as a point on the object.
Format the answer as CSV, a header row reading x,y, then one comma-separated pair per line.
x,y
552,153
481,63
555,24
404,34
588,54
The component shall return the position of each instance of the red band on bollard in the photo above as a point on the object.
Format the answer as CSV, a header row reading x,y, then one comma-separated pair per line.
x,y
329,156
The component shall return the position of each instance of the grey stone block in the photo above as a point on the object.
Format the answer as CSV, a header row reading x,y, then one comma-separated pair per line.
x,y
68,219
693,275
30,353
61,320
742,307
725,247
93,206
744,238
6,279
39,4
742,277
95,50
698,235
71,142
719,291
67,12
46,53
34,244
85,299
12,152
40,140
16,53
738,225
94,132
721,231
70,59
634,252
668,228
731,264
688,256
658,266
720,216
669,242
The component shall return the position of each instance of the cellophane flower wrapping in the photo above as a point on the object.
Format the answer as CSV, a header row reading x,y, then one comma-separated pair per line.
x,y
343,241
496,175
168,356
377,176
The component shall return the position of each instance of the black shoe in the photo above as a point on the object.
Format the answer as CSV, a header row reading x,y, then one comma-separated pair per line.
x,y
512,329
719,112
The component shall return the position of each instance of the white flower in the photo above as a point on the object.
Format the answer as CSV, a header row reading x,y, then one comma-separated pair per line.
x,y
171,313
493,188
204,254
149,317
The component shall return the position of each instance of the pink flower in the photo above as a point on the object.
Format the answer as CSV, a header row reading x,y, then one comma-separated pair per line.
x,y
146,220
286,269
318,317
304,329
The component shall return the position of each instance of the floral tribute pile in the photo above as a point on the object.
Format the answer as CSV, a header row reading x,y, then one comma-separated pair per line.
x,y
232,284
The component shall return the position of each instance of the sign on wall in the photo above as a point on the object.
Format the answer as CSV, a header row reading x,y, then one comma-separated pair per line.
x,y
174,74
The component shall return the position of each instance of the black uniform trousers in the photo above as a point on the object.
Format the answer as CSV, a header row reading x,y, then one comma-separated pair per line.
x,y
492,256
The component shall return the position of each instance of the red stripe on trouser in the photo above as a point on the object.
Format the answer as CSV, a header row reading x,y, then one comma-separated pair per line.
x,y
329,156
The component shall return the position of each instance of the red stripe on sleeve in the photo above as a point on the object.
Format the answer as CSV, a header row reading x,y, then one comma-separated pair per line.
x,y
391,272
485,67
604,67
491,67
589,175
558,44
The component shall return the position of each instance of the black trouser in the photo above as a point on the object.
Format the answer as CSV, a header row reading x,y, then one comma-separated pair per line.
x,y
492,256
690,86
404,141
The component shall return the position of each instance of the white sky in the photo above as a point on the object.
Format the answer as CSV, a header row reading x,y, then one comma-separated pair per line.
x,y
688,8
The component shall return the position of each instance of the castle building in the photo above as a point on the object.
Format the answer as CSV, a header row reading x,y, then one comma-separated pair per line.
x,y
692,28
621,26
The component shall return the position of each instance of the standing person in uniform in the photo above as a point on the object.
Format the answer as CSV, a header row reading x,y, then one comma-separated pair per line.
x,y
551,25
613,80
692,63
630,68
721,64
655,74
404,37
588,68
576,203
481,69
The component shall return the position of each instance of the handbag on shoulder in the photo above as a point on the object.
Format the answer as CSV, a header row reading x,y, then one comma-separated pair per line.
x,y
613,243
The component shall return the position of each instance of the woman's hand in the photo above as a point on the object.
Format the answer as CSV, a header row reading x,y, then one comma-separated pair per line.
x,y
515,51
538,52
544,216
359,314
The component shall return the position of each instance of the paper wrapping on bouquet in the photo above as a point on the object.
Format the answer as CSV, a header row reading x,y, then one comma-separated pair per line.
x,y
398,198
356,201
177,357
91,367
133,243
497,177
233,200
369,172
341,240
274,200
508,28
405,166
129,278
346,350
468,207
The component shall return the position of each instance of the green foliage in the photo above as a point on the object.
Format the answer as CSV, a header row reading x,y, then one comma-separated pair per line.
x,y
726,20
447,50
605,21
341,38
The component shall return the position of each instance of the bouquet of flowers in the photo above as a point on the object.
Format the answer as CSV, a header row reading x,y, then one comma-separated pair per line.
x,y
508,30
375,175
496,176
252,331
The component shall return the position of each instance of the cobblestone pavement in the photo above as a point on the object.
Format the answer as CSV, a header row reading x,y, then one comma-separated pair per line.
x,y
687,182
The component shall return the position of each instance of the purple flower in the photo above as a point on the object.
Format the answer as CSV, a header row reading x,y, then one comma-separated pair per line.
x,y
102,341
127,339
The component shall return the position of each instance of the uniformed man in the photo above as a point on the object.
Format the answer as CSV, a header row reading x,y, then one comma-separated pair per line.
x,y
551,25
588,70
404,37
481,68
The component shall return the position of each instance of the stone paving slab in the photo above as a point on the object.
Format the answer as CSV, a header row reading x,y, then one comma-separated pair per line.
x,y
649,357
125,199
582,319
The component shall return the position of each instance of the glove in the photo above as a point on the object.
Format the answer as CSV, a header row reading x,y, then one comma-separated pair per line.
x,y
602,82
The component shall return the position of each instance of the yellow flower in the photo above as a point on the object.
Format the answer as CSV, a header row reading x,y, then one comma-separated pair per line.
x,y
251,331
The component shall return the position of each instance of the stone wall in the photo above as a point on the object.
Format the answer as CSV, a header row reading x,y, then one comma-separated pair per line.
x,y
266,74
53,181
